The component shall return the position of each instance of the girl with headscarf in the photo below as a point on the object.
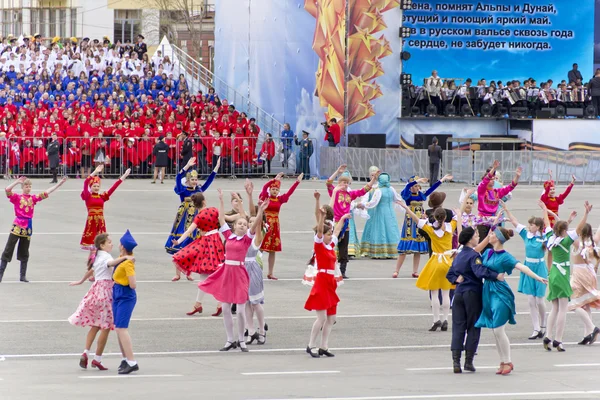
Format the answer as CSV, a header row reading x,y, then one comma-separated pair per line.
x,y
411,242
270,194
381,234
498,299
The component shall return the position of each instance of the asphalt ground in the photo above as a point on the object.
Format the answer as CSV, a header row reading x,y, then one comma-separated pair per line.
x,y
381,341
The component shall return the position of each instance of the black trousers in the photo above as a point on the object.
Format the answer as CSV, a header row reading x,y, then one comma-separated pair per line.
x,y
22,250
343,250
434,172
466,310
305,166
596,104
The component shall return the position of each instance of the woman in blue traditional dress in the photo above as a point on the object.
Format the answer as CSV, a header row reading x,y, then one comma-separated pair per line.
x,y
186,211
410,240
535,250
497,298
381,234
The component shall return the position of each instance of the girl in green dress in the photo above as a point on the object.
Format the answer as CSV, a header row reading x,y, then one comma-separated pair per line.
x,y
559,244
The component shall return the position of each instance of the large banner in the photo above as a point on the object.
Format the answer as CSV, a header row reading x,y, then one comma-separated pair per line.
x,y
500,40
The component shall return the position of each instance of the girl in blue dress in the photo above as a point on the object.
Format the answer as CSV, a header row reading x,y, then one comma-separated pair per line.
x,y
410,240
186,211
535,249
381,233
498,299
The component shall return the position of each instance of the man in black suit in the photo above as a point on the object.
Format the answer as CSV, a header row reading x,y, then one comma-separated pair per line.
x,y
594,88
435,157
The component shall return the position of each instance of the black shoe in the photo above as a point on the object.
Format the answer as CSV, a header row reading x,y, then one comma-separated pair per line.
x,y
129,369
435,326
229,346
558,346
3,265
252,338
326,353
469,361
595,335
313,352
123,364
344,276
266,327
586,340
243,348
456,361
547,343
534,335
246,336
542,332
24,280
444,326
264,339
23,272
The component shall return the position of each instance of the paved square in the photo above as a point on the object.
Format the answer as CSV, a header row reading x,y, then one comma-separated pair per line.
x,y
382,346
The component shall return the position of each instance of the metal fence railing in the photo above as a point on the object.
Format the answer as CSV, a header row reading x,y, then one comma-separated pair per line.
x,y
200,78
240,156
465,165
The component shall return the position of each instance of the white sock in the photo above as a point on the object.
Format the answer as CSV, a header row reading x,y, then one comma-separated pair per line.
x,y
98,358
131,363
123,359
86,352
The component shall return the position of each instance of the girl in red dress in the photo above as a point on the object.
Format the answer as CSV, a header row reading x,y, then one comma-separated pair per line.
x,y
270,192
205,254
94,201
322,297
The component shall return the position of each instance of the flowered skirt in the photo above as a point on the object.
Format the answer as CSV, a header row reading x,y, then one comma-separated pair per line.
x,y
272,240
96,307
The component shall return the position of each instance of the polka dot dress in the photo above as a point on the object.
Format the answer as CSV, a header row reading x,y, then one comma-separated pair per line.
x,y
204,255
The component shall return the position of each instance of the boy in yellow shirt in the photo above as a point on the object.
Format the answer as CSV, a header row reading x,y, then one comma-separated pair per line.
x,y
124,299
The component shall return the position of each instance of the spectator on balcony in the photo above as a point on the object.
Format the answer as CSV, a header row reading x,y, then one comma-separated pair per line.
x,y
267,152
287,138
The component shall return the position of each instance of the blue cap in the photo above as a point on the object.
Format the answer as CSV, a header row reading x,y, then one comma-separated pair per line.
x,y
128,242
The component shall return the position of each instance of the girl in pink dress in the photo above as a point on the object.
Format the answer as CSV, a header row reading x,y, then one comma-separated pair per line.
x,y
95,310
229,284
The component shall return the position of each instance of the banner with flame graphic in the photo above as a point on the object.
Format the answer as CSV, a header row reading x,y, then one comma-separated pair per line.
x,y
353,80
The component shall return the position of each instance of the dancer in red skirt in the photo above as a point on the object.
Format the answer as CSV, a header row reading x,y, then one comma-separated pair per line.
x,y
205,254
230,283
94,201
270,194
322,297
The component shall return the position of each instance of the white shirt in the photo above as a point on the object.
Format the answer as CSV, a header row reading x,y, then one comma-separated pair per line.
x,y
101,270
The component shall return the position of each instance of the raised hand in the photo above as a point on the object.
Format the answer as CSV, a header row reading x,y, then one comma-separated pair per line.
x,y
21,179
573,179
550,173
262,206
345,217
126,174
496,164
249,186
588,207
422,180
99,168
342,168
317,195
447,178
279,176
63,180
519,171
220,193
191,162
300,177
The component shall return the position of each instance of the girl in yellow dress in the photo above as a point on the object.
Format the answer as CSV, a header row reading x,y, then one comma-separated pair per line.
x,y
433,276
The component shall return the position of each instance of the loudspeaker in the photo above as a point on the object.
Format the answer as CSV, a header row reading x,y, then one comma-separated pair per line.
x,y
520,125
544,113
519,112
590,112
422,142
432,110
500,146
575,112
367,140
486,110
